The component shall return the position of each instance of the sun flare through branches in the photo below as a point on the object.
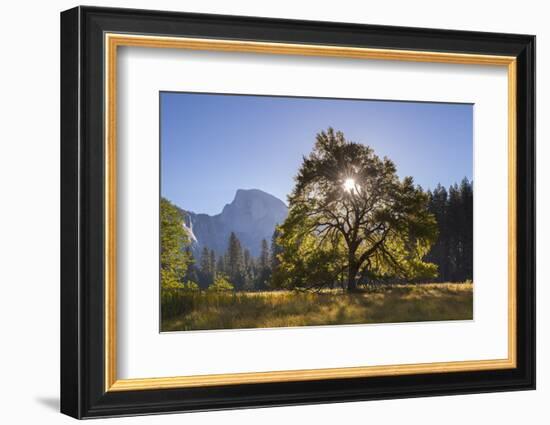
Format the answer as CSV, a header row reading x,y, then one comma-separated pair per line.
x,y
350,186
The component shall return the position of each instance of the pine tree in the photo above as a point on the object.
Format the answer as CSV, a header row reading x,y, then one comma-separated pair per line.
x,y
264,255
249,272
454,230
439,252
220,265
453,251
276,249
235,261
467,198
264,267
213,264
192,273
206,268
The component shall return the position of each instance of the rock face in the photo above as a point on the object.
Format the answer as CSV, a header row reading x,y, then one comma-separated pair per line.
x,y
252,215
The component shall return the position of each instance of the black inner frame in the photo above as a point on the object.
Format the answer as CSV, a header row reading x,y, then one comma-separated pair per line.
x,y
82,212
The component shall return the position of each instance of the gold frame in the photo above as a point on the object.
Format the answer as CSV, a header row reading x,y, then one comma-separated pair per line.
x,y
113,41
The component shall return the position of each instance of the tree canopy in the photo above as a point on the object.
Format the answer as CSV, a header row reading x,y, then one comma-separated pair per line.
x,y
174,257
352,220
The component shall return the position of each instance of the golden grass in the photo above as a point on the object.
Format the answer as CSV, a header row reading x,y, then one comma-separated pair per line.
x,y
389,304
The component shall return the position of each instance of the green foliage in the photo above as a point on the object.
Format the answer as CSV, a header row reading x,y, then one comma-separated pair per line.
x,y
306,263
351,219
276,251
190,286
174,258
221,284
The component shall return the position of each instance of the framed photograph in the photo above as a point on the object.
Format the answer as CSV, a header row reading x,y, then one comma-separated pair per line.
x,y
261,212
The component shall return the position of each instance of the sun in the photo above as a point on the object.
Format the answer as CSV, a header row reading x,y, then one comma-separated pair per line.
x,y
350,185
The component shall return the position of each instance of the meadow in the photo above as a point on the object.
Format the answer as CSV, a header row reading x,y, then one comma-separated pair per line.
x,y
202,310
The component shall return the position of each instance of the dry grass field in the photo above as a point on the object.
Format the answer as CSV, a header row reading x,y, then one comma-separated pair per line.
x,y
186,310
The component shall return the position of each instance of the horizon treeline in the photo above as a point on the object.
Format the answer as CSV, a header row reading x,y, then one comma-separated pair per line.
x,y
452,252
236,265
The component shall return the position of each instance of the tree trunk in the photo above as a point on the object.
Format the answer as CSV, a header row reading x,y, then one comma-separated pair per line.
x,y
352,275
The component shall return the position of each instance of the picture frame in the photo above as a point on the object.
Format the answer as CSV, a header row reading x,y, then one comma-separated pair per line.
x,y
90,40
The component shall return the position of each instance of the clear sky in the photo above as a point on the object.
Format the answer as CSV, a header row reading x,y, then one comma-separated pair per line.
x,y
212,145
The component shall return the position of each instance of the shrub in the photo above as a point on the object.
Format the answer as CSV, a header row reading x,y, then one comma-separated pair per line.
x,y
190,286
220,284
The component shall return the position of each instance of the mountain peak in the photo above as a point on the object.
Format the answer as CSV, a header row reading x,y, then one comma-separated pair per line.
x,y
252,216
253,204
245,194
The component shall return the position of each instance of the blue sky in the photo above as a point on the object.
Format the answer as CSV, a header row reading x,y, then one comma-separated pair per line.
x,y
212,145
